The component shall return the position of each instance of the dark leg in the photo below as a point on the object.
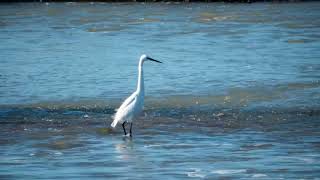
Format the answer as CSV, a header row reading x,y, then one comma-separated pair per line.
x,y
131,129
124,129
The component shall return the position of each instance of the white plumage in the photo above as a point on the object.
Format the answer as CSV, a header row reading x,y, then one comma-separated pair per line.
x,y
128,109
133,105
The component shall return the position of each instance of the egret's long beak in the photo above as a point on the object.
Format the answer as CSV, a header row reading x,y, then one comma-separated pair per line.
x,y
154,60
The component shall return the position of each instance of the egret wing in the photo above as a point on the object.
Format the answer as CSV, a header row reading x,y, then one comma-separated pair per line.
x,y
128,101
124,109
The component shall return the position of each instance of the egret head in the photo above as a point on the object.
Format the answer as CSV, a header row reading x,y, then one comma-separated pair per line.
x,y
147,58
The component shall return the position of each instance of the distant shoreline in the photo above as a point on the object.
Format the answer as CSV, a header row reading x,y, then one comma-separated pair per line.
x,y
226,1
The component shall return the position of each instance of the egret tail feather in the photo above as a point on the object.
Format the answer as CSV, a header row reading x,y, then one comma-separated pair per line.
x,y
114,124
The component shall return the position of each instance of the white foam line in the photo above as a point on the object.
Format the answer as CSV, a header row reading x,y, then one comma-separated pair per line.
x,y
196,173
229,171
259,176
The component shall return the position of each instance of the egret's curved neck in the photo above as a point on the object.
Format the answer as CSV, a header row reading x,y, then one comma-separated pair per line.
x,y
140,86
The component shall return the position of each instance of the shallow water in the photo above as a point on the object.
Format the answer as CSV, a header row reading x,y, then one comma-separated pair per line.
x,y
237,95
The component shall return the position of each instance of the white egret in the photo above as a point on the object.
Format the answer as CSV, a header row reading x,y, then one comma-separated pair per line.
x,y
133,105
